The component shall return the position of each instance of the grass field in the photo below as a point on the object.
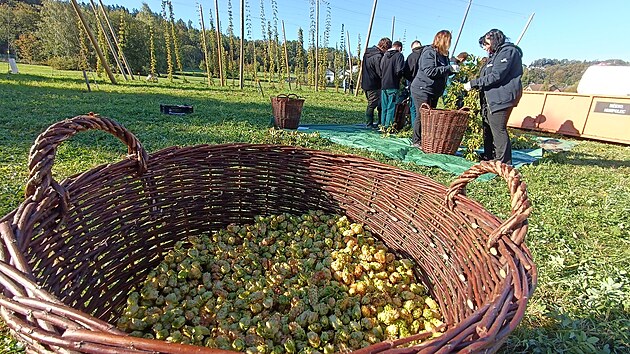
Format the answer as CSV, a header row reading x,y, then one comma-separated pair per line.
x,y
579,230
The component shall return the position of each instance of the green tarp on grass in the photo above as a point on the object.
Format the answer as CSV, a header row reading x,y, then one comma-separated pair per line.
x,y
358,136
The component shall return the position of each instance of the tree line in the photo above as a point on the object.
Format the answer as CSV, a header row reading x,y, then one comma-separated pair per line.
x,y
49,32
564,74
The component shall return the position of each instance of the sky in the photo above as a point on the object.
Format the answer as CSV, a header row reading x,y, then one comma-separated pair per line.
x,y
559,29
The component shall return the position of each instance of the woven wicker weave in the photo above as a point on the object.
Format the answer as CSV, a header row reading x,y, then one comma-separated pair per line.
x,y
442,130
72,251
287,111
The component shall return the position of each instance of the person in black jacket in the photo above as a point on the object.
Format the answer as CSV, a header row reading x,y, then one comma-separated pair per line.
x,y
411,69
392,69
430,81
371,79
500,83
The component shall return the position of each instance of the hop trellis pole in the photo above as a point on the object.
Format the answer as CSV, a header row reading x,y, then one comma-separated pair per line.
x,y
204,46
109,42
118,46
367,42
241,68
219,45
99,53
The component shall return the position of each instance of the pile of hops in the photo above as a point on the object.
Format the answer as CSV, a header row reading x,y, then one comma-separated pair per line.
x,y
286,284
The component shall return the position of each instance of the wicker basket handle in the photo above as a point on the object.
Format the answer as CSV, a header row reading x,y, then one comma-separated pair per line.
x,y
427,106
521,206
290,96
44,148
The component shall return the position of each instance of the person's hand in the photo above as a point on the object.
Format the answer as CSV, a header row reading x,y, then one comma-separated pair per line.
x,y
454,68
467,86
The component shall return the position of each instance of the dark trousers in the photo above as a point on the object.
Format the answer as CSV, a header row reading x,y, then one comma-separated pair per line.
x,y
418,99
496,141
374,102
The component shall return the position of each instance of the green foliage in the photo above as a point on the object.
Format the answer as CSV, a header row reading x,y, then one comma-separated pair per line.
x,y
175,37
64,63
122,35
56,42
564,74
456,97
152,60
300,58
167,42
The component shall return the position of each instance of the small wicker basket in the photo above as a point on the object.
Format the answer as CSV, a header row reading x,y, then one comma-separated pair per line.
x,y
287,111
74,250
442,130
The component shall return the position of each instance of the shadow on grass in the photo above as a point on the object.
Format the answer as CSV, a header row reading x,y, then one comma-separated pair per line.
x,y
220,116
563,334
584,159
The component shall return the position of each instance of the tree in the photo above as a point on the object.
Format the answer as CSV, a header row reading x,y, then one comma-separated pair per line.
x,y
311,45
263,52
153,60
84,54
167,42
174,36
122,36
232,66
28,47
300,65
16,18
58,31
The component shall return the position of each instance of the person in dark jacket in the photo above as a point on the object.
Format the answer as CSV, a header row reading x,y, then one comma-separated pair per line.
x,y
500,83
392,70
371,80
411,69
430,81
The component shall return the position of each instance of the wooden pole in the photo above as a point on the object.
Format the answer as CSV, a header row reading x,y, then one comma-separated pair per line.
x,y
316,45
461,27
120,51
367,41
525,29
241,80
393,25
87,81
109,42
205,47
349,61
219,44
286,55
87,29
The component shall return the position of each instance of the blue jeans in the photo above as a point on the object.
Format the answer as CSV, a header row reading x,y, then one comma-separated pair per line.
x,y
389,98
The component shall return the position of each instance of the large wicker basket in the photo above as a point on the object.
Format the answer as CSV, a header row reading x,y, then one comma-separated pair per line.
x,y
442,129
73,250
287,111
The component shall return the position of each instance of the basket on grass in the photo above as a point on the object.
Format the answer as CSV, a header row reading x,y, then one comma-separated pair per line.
x,y
287,110
442,130
73,250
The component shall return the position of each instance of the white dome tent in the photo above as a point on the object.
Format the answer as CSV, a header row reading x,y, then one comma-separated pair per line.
x,y
605,80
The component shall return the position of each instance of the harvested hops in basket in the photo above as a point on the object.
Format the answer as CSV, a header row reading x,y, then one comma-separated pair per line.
x,y
74,250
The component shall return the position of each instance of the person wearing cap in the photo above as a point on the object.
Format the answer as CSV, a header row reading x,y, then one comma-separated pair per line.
x,y
392,69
